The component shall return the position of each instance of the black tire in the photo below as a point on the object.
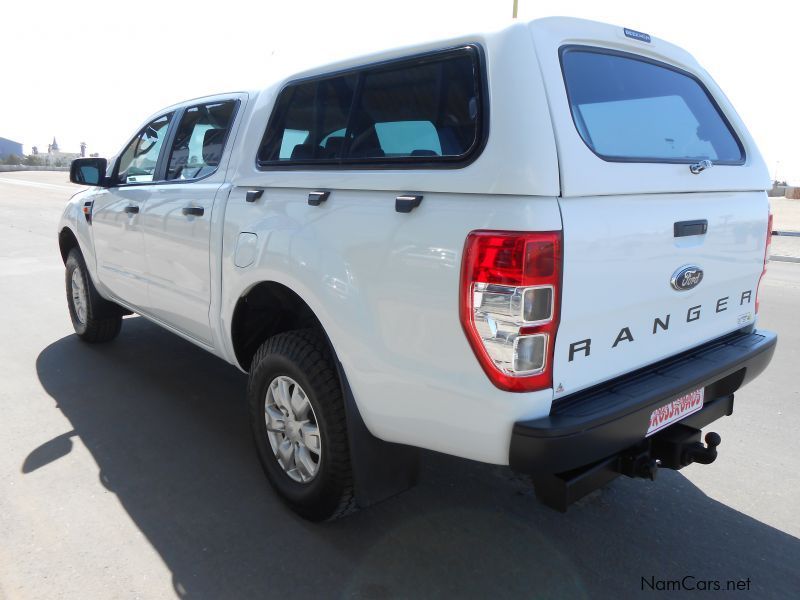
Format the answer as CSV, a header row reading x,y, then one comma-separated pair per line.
x,y
304,356
103,319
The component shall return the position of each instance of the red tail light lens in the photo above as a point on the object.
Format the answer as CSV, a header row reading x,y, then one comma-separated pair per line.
x,y
510,303
769,239
766,258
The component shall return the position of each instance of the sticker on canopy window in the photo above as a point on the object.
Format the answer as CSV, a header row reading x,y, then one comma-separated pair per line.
x,y
675,411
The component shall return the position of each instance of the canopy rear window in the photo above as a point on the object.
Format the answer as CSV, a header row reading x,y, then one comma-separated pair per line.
x,y
631,109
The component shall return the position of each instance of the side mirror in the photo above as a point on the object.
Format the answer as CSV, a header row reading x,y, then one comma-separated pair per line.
x,y
89,171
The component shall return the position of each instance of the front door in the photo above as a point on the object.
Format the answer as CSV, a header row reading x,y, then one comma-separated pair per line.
x,y
117,216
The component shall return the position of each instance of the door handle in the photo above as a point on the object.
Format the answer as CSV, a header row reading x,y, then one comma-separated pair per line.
x,y
132,210
193,211
253,195
317,198
405,204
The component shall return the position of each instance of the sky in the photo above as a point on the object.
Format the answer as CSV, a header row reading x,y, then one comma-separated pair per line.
x,y
94,70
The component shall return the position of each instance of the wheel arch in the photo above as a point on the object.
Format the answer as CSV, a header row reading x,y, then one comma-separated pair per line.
x,y
263,310
380,469
67,240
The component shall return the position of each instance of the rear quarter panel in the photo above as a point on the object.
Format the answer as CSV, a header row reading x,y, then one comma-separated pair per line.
x,y
385,285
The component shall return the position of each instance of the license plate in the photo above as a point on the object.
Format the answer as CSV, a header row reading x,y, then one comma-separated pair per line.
x,y
675,411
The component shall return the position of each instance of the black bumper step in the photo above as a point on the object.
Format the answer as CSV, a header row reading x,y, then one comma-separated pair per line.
x,y
600,422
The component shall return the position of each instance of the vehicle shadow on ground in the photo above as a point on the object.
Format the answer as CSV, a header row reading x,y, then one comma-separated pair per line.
x,y
167,425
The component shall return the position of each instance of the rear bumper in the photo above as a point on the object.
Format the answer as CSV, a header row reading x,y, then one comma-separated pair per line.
x,y
599,422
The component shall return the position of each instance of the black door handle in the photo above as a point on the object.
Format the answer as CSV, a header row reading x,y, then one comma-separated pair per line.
x,y
317,198
686,228
405,204
253,195
131,210
193,211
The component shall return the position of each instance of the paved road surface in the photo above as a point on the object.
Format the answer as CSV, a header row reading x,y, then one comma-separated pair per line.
x,y
786,215
127,472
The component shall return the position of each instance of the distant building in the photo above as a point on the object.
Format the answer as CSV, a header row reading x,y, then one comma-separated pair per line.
x,y
9,147
55,157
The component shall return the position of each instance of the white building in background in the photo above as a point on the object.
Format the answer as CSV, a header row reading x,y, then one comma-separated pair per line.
x,y
55,157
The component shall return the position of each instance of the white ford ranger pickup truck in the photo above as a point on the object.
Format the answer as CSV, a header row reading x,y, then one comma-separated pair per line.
x,y
539,247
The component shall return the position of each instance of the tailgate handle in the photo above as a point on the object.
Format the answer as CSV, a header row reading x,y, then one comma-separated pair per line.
x,y
684,228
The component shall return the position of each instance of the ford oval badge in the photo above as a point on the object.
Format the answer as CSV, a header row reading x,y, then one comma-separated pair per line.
x,y
686,278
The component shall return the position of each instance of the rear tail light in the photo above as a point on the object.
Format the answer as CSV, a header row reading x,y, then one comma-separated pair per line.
x,y
766,258
769,240
510,305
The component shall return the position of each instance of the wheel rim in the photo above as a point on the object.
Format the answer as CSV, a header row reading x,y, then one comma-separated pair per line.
x,y
78,295
292,429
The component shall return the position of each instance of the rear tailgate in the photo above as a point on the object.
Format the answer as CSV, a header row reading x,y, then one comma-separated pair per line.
x,y
619,310
626,182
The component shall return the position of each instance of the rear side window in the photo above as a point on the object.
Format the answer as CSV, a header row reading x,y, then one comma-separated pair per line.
x,y
425,109
200,140
403,138
631,109
313,121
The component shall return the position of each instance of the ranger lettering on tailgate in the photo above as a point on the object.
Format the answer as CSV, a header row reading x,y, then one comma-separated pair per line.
x,y
693,313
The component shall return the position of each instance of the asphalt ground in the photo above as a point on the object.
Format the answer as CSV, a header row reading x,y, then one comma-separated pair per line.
x,y
786,214
127,471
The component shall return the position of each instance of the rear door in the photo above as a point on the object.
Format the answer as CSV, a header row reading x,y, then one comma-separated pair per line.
x,y
176,221
661,251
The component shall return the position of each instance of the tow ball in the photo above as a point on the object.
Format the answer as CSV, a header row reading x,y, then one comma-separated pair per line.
x,y
674,448
704,455
680,445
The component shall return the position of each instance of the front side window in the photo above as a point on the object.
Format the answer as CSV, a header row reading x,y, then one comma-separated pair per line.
x,y
138,162
627,108
200,140
423,109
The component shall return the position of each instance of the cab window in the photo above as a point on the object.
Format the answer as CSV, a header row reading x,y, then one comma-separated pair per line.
x,y
199,140
139,160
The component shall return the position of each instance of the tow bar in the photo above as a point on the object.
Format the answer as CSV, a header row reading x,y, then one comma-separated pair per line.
x,y
674,448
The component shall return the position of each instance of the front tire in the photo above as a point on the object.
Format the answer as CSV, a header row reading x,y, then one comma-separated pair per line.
x,y
94,318
298,422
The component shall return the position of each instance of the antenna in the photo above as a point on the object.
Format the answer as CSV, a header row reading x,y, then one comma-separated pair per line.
x,y
516,5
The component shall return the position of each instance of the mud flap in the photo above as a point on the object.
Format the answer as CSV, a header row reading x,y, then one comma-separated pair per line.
x,y
380,469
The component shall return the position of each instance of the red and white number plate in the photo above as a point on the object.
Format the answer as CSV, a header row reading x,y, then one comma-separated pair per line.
x,y
675,411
